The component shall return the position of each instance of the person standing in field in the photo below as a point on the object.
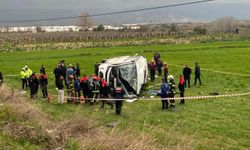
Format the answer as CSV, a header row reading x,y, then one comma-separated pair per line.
x,y
164,93
197,73
57,74
44,85
84,86
33,84
60,90
28,73
181,87
1,78
171,90
105,93
24,80
157,56
69,74
42,70
119,95
77,86
77,70
165,71
159,67
187,72
152,69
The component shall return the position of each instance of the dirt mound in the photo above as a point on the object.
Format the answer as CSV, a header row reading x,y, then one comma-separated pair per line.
x,y
37,127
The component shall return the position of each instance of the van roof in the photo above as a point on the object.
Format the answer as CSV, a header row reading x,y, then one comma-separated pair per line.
x,y
122,59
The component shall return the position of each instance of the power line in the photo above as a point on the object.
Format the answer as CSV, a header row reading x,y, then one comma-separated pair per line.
x,y
108,13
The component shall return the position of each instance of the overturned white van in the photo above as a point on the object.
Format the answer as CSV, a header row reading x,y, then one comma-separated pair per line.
x,y
130,71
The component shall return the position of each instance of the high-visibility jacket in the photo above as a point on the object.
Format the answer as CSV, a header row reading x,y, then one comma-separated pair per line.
x,y
22,74
28,73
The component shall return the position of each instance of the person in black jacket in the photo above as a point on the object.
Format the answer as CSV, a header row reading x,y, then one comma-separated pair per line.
x,y
119,95
57,74
187,72
43,84
197,73
42,70
33,84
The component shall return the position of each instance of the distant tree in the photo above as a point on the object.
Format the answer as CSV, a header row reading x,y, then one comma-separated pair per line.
x,y
39,29
99,28
173,28
225,24
84,21
199,30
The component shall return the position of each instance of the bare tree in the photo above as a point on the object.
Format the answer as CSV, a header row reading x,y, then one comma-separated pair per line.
x,y
84,21
225,24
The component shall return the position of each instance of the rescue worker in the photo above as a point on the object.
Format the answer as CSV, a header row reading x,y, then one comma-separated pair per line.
x,y
1,79
24,80
197,73
181,87
105,93
119,94
60,87
77,86
164,93
42,70
159,67
28,71
152,69
96,89
77,70
171,90
187,72
43,79
165,72
84,86
33,84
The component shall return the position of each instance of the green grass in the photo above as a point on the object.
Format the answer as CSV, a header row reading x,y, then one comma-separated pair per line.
x,y
199,124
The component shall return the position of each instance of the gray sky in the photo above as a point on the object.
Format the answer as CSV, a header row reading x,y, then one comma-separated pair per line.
x,y
35,9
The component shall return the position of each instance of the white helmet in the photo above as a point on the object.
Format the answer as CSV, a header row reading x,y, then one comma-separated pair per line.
x,y
170,77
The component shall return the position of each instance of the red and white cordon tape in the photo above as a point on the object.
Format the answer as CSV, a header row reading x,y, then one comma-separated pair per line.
x,y
157,99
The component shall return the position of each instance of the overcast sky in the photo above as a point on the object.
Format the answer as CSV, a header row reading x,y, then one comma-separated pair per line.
x,y
32,9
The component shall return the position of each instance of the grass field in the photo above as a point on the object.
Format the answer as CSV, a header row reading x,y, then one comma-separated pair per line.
x,y
199,124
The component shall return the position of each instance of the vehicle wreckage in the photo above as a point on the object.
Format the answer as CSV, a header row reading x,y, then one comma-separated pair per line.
x,y
130,71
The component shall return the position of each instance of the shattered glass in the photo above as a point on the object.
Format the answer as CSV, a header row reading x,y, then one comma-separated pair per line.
x,y
129,73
